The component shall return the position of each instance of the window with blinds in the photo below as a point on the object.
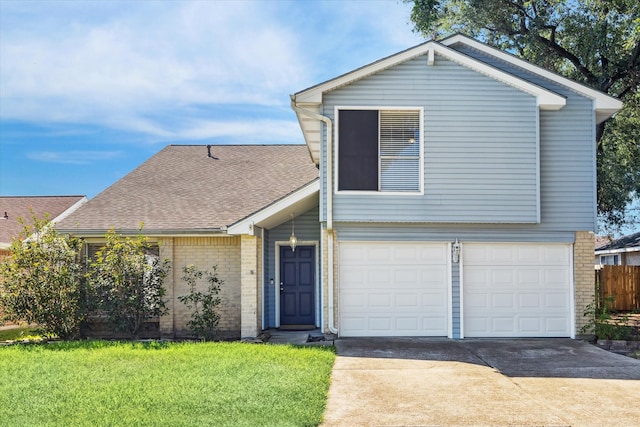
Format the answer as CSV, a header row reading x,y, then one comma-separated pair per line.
x,y
399,150
379,150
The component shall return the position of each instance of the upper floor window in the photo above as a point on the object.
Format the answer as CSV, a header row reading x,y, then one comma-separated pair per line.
x,y
380,150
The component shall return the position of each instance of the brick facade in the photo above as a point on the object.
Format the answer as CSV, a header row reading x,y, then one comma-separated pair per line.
x,y
204,253
583,275
250,297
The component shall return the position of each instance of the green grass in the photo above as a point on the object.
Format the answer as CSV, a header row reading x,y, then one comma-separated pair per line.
x,y
21,333
100,383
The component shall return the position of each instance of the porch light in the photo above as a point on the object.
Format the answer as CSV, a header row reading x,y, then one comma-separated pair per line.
x,y
455,251
293,240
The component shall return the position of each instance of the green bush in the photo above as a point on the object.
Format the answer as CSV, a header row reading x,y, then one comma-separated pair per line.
x,y
603,325
204,318
128,282
43,280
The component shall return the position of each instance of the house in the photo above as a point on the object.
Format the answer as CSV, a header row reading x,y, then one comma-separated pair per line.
x,y
15,208
622,251
188,198
447,190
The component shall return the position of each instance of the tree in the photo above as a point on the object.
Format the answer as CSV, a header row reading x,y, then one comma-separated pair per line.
x,y
595,42
128,282
43,280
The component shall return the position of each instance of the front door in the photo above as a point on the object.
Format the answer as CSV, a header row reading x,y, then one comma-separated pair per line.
x,y
297,287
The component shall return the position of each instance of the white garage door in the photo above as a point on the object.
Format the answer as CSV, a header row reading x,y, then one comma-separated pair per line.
x,y
393,289
516,290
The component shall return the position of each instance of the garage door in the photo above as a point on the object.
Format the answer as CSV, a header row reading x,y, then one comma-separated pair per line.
x,y
393,289
516,290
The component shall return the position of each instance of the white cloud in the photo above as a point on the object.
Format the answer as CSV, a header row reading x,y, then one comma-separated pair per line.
x,y
245,132
203,52
74,157
139,66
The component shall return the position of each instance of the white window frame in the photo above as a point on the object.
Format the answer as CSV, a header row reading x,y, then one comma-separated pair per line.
x,y
617,259
336,116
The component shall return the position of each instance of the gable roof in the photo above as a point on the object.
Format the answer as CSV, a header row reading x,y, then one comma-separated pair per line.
x,y
630,243
181,190
604,104
56,207
310,99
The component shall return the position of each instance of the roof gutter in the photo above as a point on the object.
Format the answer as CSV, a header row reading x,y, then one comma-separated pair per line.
x,y
329,189
196,232
617,251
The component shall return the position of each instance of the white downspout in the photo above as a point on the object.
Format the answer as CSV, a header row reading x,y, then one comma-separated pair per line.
x,y
330,278
262,310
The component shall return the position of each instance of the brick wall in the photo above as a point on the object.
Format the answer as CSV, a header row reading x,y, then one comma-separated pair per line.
x,y
583,274
204,253
250,296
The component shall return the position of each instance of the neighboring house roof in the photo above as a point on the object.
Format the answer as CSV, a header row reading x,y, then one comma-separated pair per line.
x,y
181,190
311,99
16,207
629,243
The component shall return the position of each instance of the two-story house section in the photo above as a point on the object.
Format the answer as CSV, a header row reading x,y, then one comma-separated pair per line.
x,y
457,194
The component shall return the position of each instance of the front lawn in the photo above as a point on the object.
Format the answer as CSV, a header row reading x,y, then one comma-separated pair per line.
x,y
99,383
21,333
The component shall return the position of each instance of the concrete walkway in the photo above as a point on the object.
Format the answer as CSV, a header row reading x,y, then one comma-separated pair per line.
x,y
432,382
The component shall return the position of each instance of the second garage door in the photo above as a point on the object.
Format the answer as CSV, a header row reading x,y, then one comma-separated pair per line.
x,y
517,290
393,289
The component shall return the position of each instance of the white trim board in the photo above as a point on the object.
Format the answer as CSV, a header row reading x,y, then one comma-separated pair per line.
x,y
604,104
546,99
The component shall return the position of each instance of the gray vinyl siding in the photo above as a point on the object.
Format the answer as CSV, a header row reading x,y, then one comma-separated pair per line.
x,y
567,153
489,233
480,154
307,228
480,148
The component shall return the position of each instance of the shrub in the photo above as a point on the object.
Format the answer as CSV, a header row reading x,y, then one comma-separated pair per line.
x,y
204,318
128,282
602,324
43,281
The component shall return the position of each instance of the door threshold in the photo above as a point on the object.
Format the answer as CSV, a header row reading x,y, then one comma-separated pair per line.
x,y
297,327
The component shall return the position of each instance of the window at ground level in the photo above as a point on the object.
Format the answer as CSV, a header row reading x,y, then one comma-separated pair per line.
x,y
379,150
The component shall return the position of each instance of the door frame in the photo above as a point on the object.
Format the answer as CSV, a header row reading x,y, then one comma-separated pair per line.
x,y
316,289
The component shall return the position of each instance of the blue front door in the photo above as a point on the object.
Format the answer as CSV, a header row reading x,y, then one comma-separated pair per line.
x,y
297,286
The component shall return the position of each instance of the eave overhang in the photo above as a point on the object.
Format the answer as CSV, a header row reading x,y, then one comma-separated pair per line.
x,y
311,99
279,211
605,105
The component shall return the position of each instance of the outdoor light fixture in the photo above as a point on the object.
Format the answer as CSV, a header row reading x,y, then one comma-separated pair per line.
x,y
293,240
455,251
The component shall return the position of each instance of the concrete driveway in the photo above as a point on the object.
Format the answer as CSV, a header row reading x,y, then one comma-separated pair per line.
x,y
439,382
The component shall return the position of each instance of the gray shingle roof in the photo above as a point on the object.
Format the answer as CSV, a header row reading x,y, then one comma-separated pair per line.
x,y
22,207
630,241
181,189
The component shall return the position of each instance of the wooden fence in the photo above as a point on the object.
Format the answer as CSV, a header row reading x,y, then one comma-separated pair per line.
x,y
621,281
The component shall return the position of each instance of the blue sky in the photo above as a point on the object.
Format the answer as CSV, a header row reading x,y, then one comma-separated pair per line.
x,y
91,89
